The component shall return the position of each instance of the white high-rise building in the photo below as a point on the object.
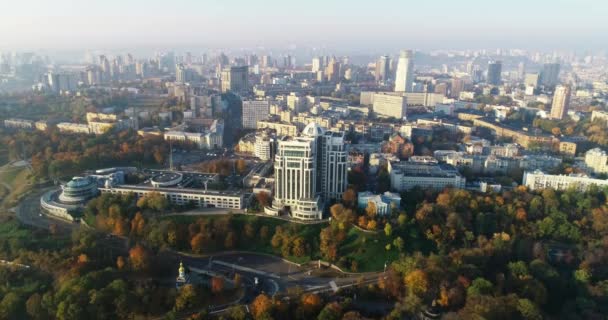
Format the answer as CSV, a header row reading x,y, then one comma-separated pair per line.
x,y
309,170
561,102
597,160
404,78
254,111
317,64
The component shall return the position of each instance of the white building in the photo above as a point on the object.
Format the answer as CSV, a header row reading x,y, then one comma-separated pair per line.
x,y
309,170
406,175
390,105
538,180
264,146
384,202
404,78
210,139
18,124
69,127
254,111
184,196
597,160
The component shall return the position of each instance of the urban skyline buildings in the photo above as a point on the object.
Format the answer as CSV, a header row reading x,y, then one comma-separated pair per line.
x,y
404,78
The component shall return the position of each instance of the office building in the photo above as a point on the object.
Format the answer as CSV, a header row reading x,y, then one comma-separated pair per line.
x,y
561,102
390,105
235,79
597,160
404,78
383,69
182,74
494,72
549,75
309,171
538,180
423,172
532,80
254,111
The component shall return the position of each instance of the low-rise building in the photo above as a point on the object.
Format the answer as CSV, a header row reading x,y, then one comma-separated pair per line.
x,y
538,180
597,160
384,202
18,123
69,127
406,175
390,105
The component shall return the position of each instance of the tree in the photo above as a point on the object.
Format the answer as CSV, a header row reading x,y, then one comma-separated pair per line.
x,y
371,210
261,306
417,282
398,243
263,199
388,230
217,284
241,166
331,311
230,241
120,262
139,258
264,232
33,307
348,198
311,303
186,298
10,306
528,310
137,225
402,219
198,242
480,286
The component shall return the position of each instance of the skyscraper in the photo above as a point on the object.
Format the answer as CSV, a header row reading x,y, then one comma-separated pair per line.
x,y
309,170
180,73
405,72
235,79
383,69
494,72
561,102
332,71
549,75
317,64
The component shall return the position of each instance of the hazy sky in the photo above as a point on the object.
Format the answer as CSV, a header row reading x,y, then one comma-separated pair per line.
x,y
379,24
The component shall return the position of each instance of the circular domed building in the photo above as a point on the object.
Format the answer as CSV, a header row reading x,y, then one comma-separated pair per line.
x,y
78,191
68,202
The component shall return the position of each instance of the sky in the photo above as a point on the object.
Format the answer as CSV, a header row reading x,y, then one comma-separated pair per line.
x,y
356,24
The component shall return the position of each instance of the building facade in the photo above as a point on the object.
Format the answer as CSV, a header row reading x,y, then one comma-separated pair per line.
x,y
309,170
404,78
254,111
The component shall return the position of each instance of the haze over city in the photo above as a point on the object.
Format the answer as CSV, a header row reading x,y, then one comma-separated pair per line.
x,y
329,160
340,24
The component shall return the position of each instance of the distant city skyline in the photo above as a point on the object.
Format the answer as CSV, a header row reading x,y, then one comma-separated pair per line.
x,y
357,25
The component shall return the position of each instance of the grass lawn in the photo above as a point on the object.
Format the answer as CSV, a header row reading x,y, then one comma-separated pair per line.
x,y
17,179
3,156
238,222
369,249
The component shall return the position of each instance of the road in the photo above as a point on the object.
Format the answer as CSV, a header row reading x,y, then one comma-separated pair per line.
x,y
28,212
